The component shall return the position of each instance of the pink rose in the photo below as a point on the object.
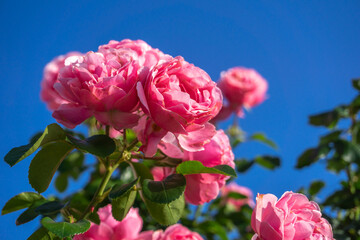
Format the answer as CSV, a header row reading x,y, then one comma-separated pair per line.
x,y
128,50
51,71
237,203
111,229
103,84
154,137
242,87
176,232
201,188
179,97
292,217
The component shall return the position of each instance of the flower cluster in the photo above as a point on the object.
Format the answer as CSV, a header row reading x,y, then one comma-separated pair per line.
x,y
292,217
130,229
204,187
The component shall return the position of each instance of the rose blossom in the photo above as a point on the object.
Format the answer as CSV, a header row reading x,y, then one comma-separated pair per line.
x,y
292,217
204,187
111,229
179,97
242,87
103,84
51,71
154,137
175,232
237,203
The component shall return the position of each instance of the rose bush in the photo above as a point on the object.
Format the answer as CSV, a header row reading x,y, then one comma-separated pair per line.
x,y
292,217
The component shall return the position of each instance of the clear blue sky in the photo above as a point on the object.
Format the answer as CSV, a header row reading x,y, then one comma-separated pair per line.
x,y
307,50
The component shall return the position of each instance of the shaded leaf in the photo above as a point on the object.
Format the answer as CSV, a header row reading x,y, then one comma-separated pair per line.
x,y
99,145
316,187
122,198
61,182
49,208
214,228
331,137
242,165
45,164
166,191
196,167
348,151
141,170
21,201
236,195
268,162
312,155
30,213
356,84
53,132
65,229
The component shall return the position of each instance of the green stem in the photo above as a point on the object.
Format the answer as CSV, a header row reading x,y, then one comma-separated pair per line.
x,y
133,144
139,156
99,192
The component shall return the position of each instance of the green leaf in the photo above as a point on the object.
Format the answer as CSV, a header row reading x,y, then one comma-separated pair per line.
x,y
312,155
65,229
122,198
331,137
53,132
141,170
42,234
214,228
30,213
196,167
49,208
242,165
45,164
348,151
166,214
21,201
268,162
99,145
356,84
236,195
166,191
61,182
329,119
316,187
261,137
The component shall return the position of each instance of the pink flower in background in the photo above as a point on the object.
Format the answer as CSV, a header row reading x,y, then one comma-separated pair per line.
x,y
242,87
160,173
237,203
51,72
176,232
201,188
179,97
292,217
111,229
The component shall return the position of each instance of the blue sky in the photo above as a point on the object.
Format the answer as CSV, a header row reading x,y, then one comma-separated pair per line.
x,y
308,52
